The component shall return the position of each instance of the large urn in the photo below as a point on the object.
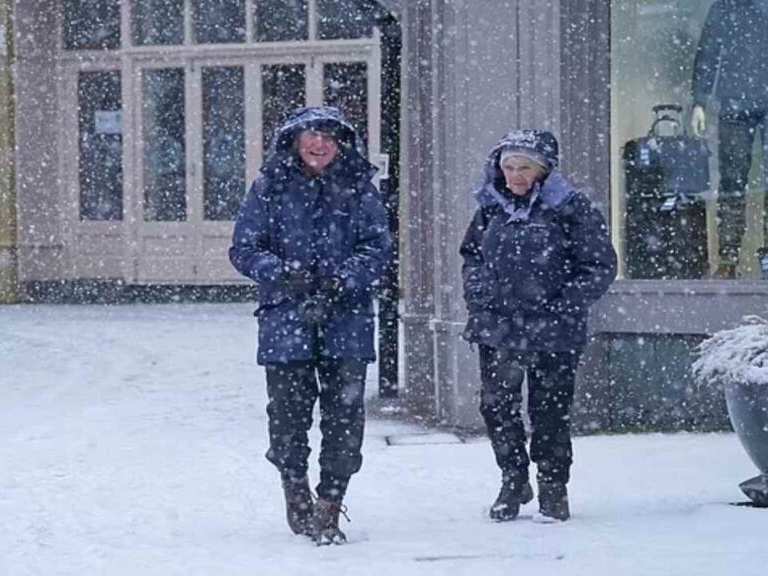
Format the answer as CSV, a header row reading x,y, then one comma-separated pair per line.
x,y
748,410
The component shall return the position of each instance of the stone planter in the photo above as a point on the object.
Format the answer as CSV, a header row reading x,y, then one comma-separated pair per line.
x,y
748,411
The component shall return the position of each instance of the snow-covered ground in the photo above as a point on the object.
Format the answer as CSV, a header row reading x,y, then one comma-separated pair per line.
x,y
132,441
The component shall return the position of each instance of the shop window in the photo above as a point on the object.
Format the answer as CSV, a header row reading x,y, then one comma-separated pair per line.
x,y
91,24
101,145
158,22
346,19
281,20
164,145
670,224
223,141
345,85
283,90
219,21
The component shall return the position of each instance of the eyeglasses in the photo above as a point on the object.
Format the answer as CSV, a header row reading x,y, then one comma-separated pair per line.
x,y
323,135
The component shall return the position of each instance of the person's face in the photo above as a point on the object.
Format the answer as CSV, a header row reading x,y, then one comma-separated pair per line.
x,y
317,150
521,174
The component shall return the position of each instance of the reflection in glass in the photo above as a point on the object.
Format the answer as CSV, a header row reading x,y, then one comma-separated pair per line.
x,y
346,19
731,72
223,142
345,85
664,232
101,145
158,22
164,145
91,24
283,90
281,20
219,21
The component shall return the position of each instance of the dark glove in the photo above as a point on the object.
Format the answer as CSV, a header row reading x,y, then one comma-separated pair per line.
x,y
298,281
332,288
315,311
478,291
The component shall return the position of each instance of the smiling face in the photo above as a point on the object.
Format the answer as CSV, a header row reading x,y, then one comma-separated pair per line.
x,y
317,150
521,173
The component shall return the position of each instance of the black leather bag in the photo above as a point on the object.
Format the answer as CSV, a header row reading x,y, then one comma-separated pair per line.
x,y
666,179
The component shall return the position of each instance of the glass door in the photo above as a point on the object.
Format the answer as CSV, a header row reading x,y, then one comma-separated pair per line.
x,y
223,151
165,212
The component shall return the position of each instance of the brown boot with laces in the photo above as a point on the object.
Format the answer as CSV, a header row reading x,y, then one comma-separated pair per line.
x,y
298,505
325,523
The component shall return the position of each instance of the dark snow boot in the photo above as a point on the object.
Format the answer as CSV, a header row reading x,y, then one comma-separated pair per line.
x,y
511,496
553,503
298,505
325,523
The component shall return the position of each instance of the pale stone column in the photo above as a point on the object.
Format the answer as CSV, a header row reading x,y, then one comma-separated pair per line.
x,y
8,236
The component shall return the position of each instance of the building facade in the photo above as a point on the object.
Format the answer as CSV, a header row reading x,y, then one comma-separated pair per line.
x,y
589,70
139,123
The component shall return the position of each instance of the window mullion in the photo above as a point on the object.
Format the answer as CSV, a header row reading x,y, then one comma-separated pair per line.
x,y
189,36
249,27
312,19
126,33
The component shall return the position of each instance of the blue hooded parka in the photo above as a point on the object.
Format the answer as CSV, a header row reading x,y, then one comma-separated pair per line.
x,y
333,225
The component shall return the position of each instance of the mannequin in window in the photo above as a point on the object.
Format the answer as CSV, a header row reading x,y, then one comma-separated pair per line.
x,y
732,51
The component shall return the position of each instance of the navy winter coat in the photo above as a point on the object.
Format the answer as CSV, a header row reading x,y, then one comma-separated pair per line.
x,y
531,273
333,225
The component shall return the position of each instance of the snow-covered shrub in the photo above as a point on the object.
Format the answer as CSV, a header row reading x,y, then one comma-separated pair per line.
x,y
738,355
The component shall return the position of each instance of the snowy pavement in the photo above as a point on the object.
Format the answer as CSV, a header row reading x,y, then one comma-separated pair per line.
x,y
132,442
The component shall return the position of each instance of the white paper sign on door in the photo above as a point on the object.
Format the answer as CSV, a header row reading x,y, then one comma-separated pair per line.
x,y
109,122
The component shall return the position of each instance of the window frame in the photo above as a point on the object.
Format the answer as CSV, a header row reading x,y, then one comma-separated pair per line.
x,y
88,242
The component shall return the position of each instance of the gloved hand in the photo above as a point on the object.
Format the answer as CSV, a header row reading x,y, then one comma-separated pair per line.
x,y
332,288
315,311
298,281
478,290
318,308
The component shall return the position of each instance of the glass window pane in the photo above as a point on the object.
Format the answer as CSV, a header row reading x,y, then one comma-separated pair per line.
x,y
660,189
91,24
101,145
223,142
345,85
346,19
283,90
219,21
164,145
281,20
158,22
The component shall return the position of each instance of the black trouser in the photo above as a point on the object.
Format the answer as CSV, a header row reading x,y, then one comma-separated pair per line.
x,y
293,389
737,132
551,381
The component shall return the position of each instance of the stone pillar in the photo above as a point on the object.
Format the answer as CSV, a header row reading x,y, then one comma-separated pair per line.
x,y
8,237
417,242
44,202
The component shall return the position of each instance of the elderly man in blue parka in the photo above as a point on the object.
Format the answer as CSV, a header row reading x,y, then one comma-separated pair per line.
x,y
536,256
312,232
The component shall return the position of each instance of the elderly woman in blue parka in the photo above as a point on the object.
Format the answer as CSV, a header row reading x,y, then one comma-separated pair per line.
x,y
312,232
536,256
